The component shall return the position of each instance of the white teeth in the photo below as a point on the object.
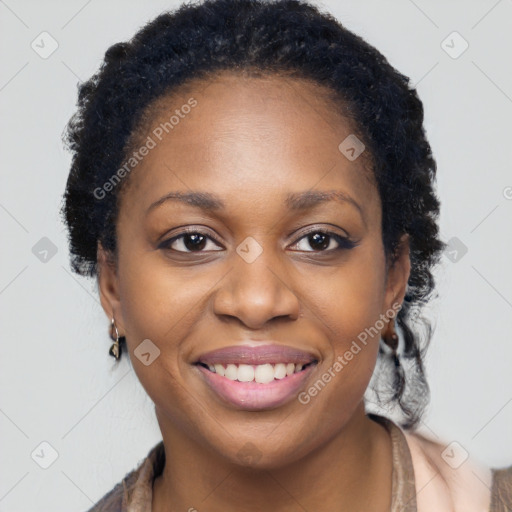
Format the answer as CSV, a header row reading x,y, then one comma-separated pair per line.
x,y
262,373
231,372
245,373
279,371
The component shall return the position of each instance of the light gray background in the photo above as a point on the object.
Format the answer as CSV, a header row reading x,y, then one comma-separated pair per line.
x,y
57,380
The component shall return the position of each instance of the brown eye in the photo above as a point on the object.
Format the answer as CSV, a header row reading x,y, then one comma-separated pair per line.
x,y
326,241
319,241
188,241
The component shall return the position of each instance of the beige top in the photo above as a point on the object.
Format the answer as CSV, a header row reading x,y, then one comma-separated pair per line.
x,y
135,492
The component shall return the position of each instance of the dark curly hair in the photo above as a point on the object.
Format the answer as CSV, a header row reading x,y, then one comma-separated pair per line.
x,y
279,37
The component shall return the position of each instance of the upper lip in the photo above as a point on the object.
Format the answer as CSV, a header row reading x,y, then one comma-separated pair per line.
x,y
261,354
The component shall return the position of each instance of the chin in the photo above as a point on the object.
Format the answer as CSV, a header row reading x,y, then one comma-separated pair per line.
x,y
259,455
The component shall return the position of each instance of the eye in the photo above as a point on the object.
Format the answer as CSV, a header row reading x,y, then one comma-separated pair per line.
x,y
326,241
192,240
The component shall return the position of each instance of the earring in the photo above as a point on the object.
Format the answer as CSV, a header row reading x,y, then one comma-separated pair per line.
x,y
391,340
116,348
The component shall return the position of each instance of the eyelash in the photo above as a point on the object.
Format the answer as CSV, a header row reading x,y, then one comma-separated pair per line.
x,y
344,242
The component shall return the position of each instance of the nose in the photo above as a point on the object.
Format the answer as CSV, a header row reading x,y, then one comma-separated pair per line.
x,y
256,293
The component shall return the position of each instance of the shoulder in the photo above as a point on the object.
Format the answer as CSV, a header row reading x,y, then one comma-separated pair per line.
x,y
447,478
136,486
113,500
501,490
117,499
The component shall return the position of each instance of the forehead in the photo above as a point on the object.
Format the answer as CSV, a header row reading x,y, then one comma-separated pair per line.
x,y
263,134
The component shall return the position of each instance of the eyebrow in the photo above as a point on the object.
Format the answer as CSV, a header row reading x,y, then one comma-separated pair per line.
x,y
294,201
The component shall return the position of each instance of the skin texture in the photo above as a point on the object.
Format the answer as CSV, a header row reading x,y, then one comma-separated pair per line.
x,y
251,141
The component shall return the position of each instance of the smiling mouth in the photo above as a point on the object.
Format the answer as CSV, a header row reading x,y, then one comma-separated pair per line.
x,y
262,373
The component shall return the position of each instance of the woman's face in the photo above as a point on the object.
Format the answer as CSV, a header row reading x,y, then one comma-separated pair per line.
x,y
267,261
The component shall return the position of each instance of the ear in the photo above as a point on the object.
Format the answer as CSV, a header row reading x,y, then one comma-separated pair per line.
x,y
397,274
108,285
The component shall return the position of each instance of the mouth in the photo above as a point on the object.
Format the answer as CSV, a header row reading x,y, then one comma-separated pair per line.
x,y
256,377
261,373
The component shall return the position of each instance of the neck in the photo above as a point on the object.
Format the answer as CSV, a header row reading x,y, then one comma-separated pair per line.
x,y
351,472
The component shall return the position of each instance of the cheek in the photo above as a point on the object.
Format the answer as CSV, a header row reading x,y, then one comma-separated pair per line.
x,y
351,299
349,312
161,303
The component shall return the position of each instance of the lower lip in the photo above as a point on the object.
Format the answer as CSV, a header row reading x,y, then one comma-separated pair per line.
x,y
254,396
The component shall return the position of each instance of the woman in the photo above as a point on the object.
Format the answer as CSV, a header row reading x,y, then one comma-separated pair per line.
x,y
252,187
